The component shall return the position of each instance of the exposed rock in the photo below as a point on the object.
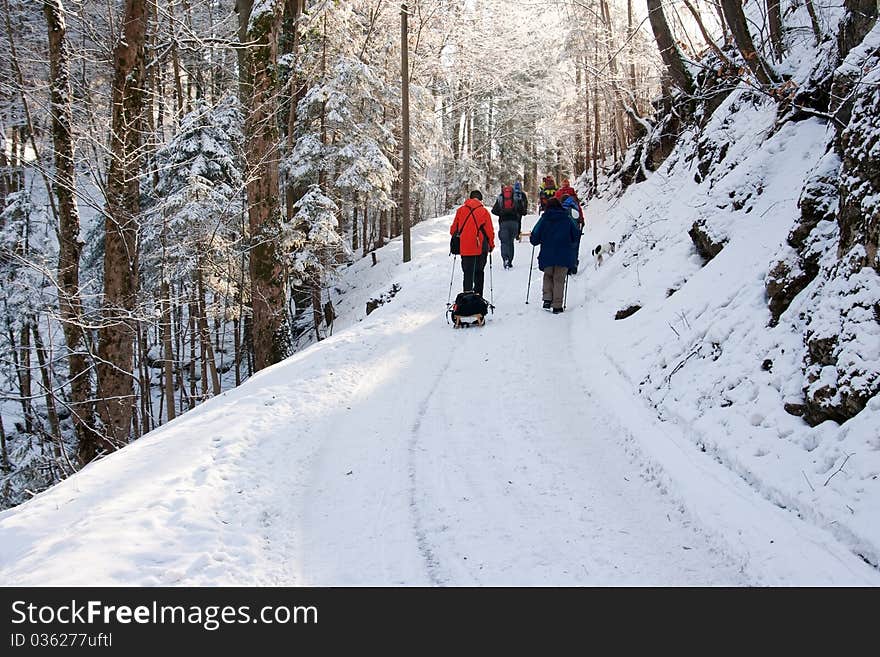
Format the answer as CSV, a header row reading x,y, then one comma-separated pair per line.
x,y
628,311
709,244
795,409
383,298
811,237
842,359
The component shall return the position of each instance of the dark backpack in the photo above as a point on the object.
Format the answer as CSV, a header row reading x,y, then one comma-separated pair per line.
x,y
508,204
468,304
455,240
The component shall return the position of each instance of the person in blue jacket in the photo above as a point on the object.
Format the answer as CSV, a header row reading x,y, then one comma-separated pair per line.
x,y
571,204
556,234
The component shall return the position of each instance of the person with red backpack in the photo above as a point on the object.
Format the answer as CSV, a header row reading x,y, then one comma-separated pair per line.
x,y
509,214
473,225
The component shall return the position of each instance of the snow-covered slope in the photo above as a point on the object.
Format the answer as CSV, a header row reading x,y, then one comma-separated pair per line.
x,y
701,350
402,452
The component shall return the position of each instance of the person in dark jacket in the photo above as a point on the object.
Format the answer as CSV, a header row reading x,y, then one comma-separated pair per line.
x,y
556,234
574,209
509,215
477,240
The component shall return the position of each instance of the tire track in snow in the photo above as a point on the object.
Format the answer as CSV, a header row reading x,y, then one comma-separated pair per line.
x,y
428,554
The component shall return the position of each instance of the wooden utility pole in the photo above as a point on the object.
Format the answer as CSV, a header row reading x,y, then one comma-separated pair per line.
x,y
404,76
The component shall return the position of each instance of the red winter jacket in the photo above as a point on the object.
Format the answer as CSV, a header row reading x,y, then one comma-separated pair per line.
x,y
470,218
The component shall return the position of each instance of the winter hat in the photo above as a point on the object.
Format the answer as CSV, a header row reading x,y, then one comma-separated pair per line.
x,y
477,194
554,203
517,187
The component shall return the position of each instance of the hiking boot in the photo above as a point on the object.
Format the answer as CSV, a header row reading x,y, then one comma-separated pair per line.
x,y
556,311
547,305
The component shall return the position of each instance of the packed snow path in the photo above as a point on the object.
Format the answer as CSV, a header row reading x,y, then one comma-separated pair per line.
x,y
403,452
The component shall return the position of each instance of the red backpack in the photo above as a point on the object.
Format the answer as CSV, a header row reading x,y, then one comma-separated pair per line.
x,y
507,202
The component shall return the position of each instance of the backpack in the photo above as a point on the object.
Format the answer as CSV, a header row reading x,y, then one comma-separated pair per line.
x,y
468,304
507,202
518,198
455,240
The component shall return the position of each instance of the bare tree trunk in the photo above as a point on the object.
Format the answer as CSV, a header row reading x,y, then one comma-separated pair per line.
x,y
383,228
724,31
365,223
54,425
317,317
180,347
293,10
672,58
167,352
180,109
736,20
579,163
19,373
706,36
4,455
406,214
774,21
5,188
588,150
814,21
69,245
236,335
354,225
144,376
207,349
192,350
116,336
203,351
270,338
25,361
632,59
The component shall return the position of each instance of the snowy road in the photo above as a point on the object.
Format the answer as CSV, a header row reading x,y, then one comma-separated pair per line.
x,y
402,452
483,460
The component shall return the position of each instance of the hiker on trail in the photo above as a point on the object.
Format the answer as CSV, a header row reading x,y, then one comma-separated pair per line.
x,y
567,190
509,214
522,202
546,192
556,234
570,205
474,223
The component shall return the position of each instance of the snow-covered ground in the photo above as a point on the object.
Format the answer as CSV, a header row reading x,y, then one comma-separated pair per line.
x,y
402,452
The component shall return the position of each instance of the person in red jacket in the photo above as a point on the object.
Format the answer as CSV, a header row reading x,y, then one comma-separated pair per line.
x,y
477,240
567,190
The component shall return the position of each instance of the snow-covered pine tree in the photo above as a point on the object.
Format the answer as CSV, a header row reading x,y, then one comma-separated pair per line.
x,y
313,247
192,237
37,455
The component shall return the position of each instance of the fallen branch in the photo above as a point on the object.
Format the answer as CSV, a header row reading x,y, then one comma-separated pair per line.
x,y
838,469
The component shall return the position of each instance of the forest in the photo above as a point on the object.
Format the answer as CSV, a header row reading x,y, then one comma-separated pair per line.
x,y
181,181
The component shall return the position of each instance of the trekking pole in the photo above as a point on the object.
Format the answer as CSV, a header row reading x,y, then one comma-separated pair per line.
x,y
531,266
451,278
491,290
565,292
